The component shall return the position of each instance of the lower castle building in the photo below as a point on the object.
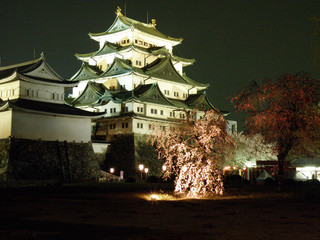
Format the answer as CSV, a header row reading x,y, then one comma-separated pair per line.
x,y
40,136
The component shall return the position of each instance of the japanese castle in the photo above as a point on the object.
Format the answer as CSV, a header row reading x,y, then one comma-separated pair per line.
x,y
136,81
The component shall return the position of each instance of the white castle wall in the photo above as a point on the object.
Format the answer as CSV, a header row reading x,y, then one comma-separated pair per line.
x,y
51,128
5,124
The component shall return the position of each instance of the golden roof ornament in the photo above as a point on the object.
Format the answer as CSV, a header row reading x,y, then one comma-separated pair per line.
x,y
118,12
153,22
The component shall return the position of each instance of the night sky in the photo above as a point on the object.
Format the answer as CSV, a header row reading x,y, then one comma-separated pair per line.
x,y
233,42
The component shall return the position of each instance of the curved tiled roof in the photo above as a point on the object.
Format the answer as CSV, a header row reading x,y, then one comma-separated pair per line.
x,y
164,69
37,71
123,23
118,67
90,95
48,108
86,72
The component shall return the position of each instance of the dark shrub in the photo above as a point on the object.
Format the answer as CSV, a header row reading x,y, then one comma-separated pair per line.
x,y
312,194
130,180
233,179
269,181
289,182
245,182
152,179
313,182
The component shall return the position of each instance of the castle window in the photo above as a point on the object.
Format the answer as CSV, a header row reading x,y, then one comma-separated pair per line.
x,y
161,112
128,40
233,128
139,109
124,125
112,126
139,125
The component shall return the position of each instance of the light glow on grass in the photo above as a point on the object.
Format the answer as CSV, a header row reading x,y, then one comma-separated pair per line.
x,y
160,197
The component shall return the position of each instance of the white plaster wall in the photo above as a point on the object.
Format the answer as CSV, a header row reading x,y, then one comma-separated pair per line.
x,y
50,128
9,90
115,37
41,92
178,67
231,126
100,147
113,105
135,106
126,82
5,124
159,108
76,91
171,87
145,126
137,80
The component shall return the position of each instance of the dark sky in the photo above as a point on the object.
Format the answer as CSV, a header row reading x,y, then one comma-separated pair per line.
x,y
233,42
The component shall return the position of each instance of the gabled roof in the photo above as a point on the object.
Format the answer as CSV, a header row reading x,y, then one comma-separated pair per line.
x,y
90,95
86,72
199,101
195,83
37,71
95,94
118,67
185,61
122,23
109,48
165,52
151,93
164,69
46,108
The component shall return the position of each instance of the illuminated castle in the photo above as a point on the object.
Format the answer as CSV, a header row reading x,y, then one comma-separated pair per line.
x,y
137,81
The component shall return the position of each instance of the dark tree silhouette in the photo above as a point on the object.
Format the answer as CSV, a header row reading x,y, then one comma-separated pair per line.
x,y
285,112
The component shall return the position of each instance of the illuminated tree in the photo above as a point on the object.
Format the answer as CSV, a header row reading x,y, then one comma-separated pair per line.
x,y
193,151
285,112
249,149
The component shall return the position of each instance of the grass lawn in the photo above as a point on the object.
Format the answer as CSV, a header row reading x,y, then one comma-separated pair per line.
x,y
124,211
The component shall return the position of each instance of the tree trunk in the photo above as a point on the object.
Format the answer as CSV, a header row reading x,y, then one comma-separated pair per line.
x,y
284,149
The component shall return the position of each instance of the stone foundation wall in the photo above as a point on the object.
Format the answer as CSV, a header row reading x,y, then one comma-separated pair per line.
x,y
47,160
127,151
4,157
